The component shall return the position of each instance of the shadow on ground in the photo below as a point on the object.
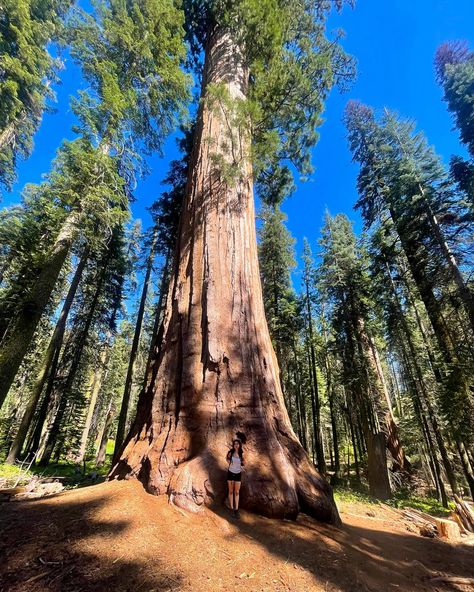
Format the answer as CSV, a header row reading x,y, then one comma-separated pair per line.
x,y
115,537
61,544
357,558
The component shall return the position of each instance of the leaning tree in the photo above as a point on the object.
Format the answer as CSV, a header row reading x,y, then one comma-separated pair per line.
x,y
267,69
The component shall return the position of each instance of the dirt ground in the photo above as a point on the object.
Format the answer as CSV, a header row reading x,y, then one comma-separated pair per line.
x,y
116,537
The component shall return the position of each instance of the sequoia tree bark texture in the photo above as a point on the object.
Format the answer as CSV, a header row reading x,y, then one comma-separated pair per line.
x,y
216,373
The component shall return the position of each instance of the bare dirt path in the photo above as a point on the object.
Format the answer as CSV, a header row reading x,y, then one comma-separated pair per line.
x,y
116,537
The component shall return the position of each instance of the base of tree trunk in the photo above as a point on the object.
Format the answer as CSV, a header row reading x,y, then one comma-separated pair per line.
x,y
278,483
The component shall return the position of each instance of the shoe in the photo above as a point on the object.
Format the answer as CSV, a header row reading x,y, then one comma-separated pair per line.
x,y
236,514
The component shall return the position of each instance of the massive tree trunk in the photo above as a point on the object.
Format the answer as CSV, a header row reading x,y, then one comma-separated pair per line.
x,y
216,373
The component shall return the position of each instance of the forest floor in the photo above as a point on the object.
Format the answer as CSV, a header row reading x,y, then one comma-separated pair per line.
x,y
114,536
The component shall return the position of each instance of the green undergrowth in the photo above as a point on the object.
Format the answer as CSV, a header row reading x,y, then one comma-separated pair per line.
x,y
344,494
72,475
430,505
9,475
401,499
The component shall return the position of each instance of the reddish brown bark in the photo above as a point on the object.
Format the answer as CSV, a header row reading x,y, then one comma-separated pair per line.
x,y
216,372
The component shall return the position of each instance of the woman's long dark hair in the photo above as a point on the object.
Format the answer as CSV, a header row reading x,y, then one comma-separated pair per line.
x,y
231,451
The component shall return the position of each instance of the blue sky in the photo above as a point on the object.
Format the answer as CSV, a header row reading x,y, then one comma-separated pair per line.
x,y
394,42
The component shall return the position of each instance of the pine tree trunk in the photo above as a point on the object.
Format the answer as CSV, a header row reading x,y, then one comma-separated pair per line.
x,y
393,441
157,332
217,373
99,375
335,436
79,345
35,438
300,402
19,335
104,437
55,343
354,447
466,467
330,397
122,421
9,132
315,403
434,458
421,389
457,381
377,395
379,483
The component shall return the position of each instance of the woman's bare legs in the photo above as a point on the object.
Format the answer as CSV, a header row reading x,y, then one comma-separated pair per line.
x,y
231,493
236,493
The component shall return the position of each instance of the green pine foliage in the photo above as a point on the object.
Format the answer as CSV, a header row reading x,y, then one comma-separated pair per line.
x,y
292,67
28,67
276,256
454,63
402,179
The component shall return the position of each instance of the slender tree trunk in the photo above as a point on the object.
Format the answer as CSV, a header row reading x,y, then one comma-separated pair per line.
x,y
466,466
354,446
412,355
35,438
332,410
217,373
157,333
76,359
122,421
9,132
335,436
412,301
315,391
99,376
46,365
393,441
19,335
457,381
300,399
430,444
384,416
104,438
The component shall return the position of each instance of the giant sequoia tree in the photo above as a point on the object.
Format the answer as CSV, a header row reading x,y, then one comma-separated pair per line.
x,y
267,69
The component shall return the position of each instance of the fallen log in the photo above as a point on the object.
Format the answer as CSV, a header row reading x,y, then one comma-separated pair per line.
x,y
465,513
426,526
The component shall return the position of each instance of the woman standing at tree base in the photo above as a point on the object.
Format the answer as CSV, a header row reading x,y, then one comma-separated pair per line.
x,y
235,458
